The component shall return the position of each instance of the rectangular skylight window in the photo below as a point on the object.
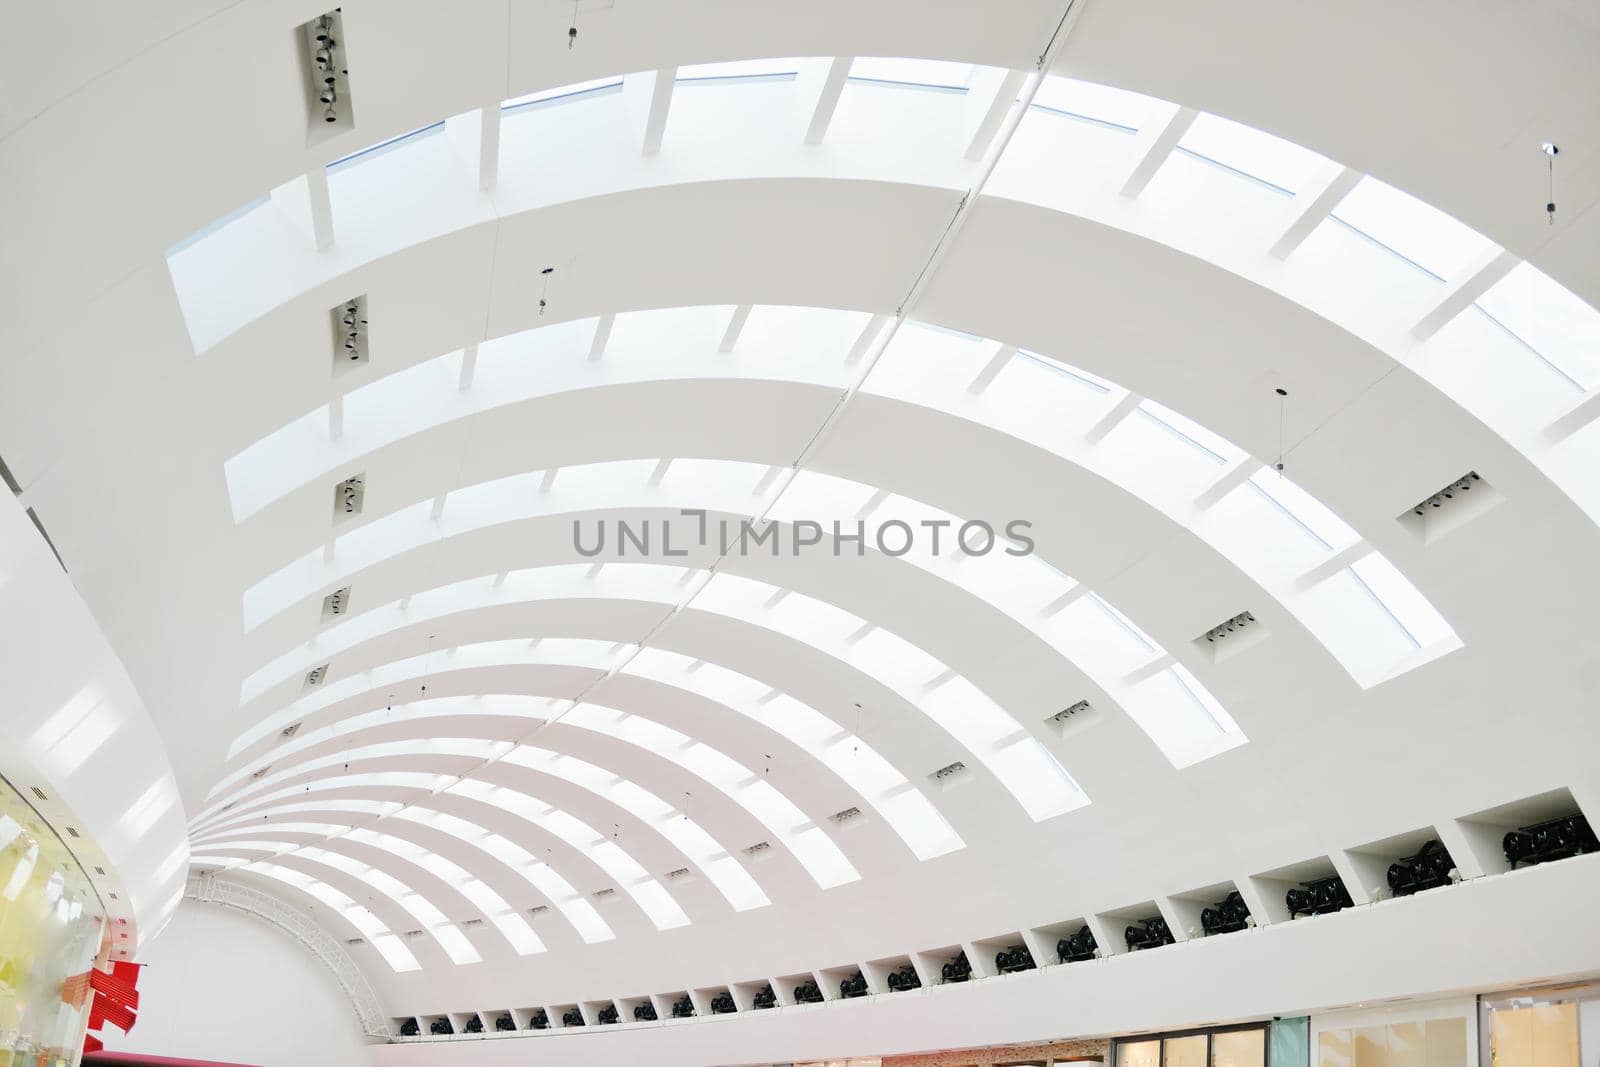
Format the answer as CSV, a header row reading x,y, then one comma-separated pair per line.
x,y
1092,382
1309,513
1550,320
382,147
1417,232
595,87
1281,164
739,69
1217,448
925,73
1411,610
1102,104
919,824
1035,778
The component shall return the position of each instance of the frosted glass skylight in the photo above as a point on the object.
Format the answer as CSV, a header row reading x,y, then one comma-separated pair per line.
x,y
1215,447
1279,163
1104,104
427,915
1550,320
1416,231
713,860
817,853
738,69
393,951
933,73
594,87
1309,514
655,901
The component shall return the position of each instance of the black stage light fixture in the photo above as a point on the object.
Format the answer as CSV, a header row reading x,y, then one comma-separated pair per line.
x,y
904,978
766,998
1015,958
1322,897
539,1021
808,992
409,1028
854,986
644,1013
683,1007
1430,868
1080,946
608,1015
722,1004
1147,933
1557,839
572,1018
1227,915
503,1023
441,1027
474,1025
957,968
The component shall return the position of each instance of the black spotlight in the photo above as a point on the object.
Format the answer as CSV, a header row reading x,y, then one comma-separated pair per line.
x,y
1429,869
474,1025
441,1027
1080,946
409,1028
808,992
903,979
608,1015
956,969
854,986
766,998
539,1021
1148,933
722,1004
1557,839
572,1018
502,1023
683,1007
1015,958
644,1013
1322,897
1226,915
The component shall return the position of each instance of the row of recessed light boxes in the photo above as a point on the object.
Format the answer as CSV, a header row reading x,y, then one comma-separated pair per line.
x,y
1527,832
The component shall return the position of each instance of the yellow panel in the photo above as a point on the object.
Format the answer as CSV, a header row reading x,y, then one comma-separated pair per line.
x,y
1511,1038
1241,1048
1447,1043
1408,1045
1370,1047
1555,1035
1186,1051
1139,1054
1333,1049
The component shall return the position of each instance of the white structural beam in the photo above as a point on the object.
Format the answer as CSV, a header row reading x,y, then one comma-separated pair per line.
x,y
989,99
1158,146
1463,289
321,208
660,103
992,369
469,366
1320,198
1576,417
828,99
1335,563
730,338
1231,479
1115,414
602,335
489,146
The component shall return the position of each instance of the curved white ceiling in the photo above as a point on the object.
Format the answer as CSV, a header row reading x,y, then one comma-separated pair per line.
x,y
779,313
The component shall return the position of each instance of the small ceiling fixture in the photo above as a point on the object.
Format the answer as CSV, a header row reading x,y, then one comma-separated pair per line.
x,y
1550,150
544,288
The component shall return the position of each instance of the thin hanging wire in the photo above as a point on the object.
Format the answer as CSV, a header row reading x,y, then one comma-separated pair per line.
x,y
572,30
1283,396
544,289
1550,152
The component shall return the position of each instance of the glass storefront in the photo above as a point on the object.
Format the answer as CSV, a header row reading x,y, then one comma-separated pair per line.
x,y
1240,1046
51,930
1539,1028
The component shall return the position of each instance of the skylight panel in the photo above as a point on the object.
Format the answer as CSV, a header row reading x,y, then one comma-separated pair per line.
x,y
395,954
739,69
926,73
919,824
1549,320
1215,447
1103,104
1035,778
1092,382
1416,231
1182,717
1309,513
1279,163
1411,610
562,93
383,147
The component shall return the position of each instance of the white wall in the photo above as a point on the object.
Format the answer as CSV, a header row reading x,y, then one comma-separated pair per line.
x,y
222,985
